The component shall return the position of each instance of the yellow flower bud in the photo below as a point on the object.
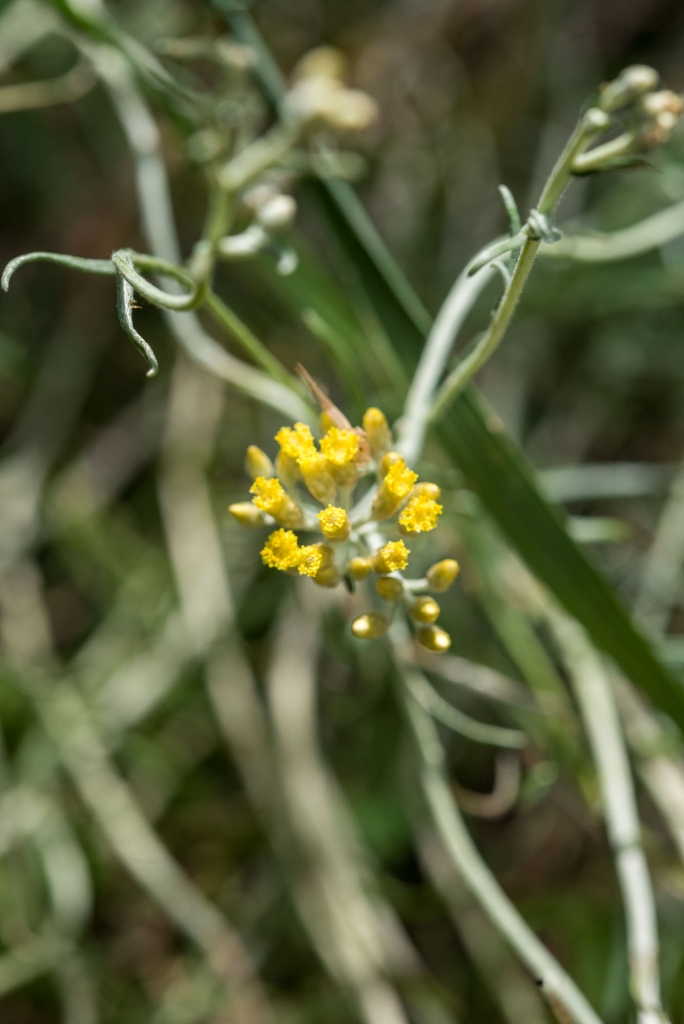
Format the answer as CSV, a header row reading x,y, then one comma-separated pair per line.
x,y
442,574
359,568
340,447
327,554
370,625
391,557
326,422
434,638
271,498
328,577
247,514
428,490
377,431
394,489
334,522
387,461
287,470
389,588
257,463
315,470
424,609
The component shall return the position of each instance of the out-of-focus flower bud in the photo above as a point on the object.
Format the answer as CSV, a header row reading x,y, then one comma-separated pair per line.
x,y
424,609
441,575
287,470
359,568
277,213
434,638
377,431
316,471
257,463
630,84
329,576
323,62
370,625
389,588
660,112
247,514
387,461
427,490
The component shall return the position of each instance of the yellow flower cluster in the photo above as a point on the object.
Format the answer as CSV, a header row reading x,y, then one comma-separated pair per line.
x,y
351,548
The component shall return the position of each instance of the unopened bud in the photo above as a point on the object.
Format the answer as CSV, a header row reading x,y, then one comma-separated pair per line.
x,y
287,470
377,431
434,638
257,463
428,490
348,110
328,576
277,213
370,625
323,62
247,514
389,588
629,85
441,575
387,461
359,568
424,609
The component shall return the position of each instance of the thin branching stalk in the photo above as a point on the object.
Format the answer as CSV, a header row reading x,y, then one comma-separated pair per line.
x,y
648,234
592,689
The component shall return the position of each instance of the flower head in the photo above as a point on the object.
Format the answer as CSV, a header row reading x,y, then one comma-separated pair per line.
x,y
334,522
392,557
296,442
281,550
400,479
420,515
340,446
270,496
310,560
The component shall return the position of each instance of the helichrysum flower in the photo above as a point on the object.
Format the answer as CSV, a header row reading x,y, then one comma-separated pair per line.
x,y
420,514
335,524
392,557
281,550
394,489
358,546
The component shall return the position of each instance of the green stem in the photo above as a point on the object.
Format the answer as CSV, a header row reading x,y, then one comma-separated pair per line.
x,y
224,315
591,122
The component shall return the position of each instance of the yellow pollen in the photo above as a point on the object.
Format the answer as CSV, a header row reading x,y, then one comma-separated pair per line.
x,y
334,523
310,560
399,479
340,446
281,550
296,442
270,496
420,515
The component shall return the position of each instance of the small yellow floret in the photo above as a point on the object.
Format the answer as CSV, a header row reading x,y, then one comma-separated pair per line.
x,y
420,515
399,479
296,442
340,446
391,557
310,560
270,496
334,522
281,550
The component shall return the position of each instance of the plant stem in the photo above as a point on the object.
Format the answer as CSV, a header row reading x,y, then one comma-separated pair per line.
x,y
593,691
565,998
647,234
491,339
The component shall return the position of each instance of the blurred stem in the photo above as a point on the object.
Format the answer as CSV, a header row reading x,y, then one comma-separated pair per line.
x,y
250,343
555,186
566,1000
650,233
592,689
662,571
63,89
